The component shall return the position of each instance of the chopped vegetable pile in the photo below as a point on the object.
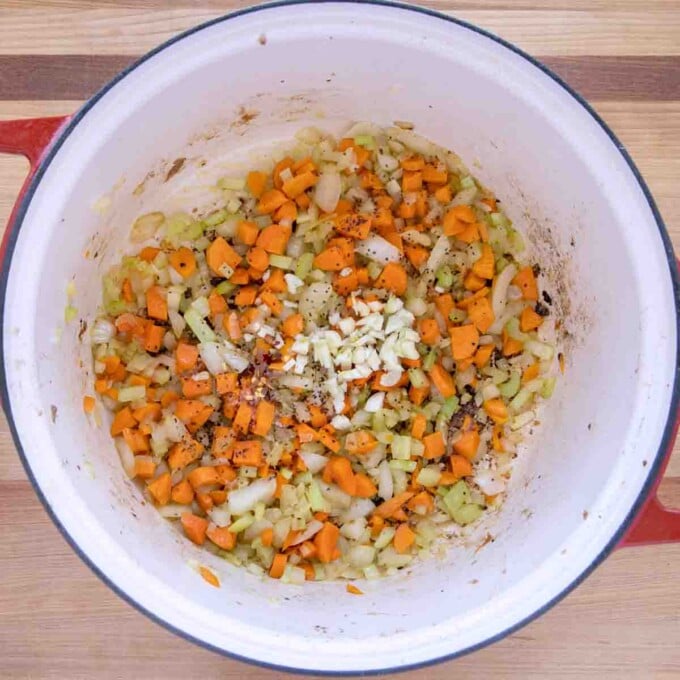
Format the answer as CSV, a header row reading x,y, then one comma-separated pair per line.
x,y
332,370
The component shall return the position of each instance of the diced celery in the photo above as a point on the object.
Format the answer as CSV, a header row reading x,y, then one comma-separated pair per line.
x,y
315,498
449,407
231,183
418,378
540,349
304,265
70,313
280,261
430,359
457,315
405,465
510,388
225,287
259,511
520,399
417,447
132,393
374,269
520,421
241,524
466,514
548,387
286,472
367,141
201,305
429,476
444,277
199,326
467,182
499,220
512,328
401,447
458,495
216,218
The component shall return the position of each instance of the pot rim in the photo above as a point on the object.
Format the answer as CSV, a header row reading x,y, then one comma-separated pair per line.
x,y
670,427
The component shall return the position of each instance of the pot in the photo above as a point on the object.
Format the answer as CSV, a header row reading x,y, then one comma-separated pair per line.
x,y
216,97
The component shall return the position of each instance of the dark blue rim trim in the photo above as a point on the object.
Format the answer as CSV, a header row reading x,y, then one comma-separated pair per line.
x,y
654,469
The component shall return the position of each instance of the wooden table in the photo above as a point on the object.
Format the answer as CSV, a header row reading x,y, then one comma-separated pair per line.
x,y
57,620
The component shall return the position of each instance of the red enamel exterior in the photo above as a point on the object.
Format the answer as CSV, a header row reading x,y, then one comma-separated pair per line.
x,y
31,137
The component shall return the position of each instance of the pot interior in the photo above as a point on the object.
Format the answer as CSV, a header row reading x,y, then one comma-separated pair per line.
x,y
219,98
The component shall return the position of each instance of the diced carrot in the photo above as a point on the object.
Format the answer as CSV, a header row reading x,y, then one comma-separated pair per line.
x,y
331,259
274,238
326,541
464,341
271,200
245,296
443,194
160,489
299,184
319,418
526,282
287,213
531,372
184,452
411,181
484,266
481,313
435,446
413,163
183,262
468,444
186,356
257,258
496,410
202,476
360,441
204,500
433,175
404,538
421,503
460,466
344,285
122,420
126,291
365,488
327,438
247,232
192,388
256,182
346,246
194,527
193,413
473,282
89,403
305,433
393,278
389,507
354,225
220,255
470,233
483,354
429,331
247,453
217,303
169,396
278,565
138,442
156,303
418,426
182,493
274,304
529,320
293,325
154,338
452,225
444,304
243,418
417,395
221,537
231,324
442,380
148,253
417,255
267,537
264,418
510,345
226,473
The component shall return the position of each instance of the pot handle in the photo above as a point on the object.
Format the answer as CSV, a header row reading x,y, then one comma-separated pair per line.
x,y
656,523
28,137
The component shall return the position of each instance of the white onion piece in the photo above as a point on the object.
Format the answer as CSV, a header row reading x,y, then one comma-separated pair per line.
x,y
378,249
127,458
499,294
327,191
385,482
312,528
490,482
361,507
102,331
242,500
315,462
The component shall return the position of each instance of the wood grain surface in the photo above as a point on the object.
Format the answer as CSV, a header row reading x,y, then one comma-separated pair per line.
x,y
57,620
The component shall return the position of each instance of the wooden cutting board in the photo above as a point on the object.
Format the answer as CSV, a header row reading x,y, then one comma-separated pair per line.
x,y
57,620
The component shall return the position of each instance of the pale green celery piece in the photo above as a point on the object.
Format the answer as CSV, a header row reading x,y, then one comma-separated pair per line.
x,y
520,399
304,265
498,219
418,378
241,524
374,269
457,315
444,277
259,510
303,478
391,418
371,572
430,359
466,514
162,376
225,287
231,183
548,387
451,405
70,313
516,240
431,409
216,218
512,328
115,307
281,261
286,472
457,496
378,421
367,141
384,538
248,471
429,476
405,465
510,388
131,393
199,326
467,182
316,500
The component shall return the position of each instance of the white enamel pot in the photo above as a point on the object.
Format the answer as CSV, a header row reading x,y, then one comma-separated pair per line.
x,y
587,476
